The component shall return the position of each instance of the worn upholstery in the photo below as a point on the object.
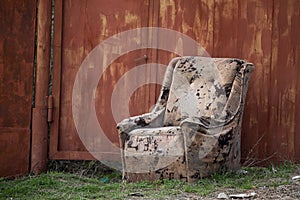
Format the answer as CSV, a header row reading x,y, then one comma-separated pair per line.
x,y
194,128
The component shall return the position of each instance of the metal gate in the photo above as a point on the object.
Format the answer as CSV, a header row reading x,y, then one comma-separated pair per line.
x,y
264,32
242,29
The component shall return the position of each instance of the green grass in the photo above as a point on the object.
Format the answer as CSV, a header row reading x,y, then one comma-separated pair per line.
x,y
59,185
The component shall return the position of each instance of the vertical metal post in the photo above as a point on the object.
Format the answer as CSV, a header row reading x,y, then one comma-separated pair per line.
x,y
39,139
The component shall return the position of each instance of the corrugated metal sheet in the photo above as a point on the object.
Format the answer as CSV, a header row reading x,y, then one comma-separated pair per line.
x,y
271,119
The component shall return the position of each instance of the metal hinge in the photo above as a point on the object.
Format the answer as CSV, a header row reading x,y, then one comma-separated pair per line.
x,y
49,108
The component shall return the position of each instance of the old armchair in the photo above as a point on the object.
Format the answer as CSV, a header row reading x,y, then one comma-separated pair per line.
x,y
194,128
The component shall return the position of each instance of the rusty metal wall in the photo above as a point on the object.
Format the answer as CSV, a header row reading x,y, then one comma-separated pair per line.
x,y
268,35
264,32
17,32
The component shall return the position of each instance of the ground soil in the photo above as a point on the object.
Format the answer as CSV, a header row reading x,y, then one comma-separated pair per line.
x,y
282,192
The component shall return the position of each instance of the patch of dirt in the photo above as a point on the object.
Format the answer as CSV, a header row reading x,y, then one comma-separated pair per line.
x,y
282,192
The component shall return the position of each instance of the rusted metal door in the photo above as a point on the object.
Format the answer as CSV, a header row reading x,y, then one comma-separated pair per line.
x,y
17,32
79,26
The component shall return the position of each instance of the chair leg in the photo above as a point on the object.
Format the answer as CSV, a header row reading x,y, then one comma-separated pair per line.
x,y
122,138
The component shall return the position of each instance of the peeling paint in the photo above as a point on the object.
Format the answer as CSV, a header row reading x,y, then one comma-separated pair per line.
x,y
131,18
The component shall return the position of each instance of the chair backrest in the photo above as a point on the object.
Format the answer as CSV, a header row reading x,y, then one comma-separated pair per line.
x,y
200,87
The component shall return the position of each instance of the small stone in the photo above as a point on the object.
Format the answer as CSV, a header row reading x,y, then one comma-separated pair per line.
x,y
222,195
242,172
242,196
296,178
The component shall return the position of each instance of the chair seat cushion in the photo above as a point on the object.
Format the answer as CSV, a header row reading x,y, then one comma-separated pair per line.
x,y
149,149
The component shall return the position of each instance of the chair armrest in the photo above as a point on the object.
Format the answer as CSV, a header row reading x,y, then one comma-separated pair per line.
x,y
150,120
203,125
153,119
